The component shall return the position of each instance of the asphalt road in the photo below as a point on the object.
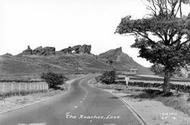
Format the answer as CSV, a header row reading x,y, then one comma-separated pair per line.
x,y
82,105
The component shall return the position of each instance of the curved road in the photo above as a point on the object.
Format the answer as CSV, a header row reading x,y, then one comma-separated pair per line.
x,y
82,105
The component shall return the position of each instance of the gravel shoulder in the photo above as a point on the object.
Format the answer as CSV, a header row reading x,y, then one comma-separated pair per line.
x,y
152,112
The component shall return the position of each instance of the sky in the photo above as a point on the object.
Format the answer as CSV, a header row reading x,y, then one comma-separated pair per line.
x,y
63,23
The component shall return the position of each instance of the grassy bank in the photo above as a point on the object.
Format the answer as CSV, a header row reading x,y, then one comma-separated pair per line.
x,y
179,101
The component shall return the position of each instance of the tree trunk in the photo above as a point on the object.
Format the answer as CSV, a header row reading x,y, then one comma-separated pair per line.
x,y
166,85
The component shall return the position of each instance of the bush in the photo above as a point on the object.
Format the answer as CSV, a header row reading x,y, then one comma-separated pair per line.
x,y
97,78
108,77
53,79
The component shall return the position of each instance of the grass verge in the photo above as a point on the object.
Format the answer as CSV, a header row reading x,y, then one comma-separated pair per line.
x,y
178,101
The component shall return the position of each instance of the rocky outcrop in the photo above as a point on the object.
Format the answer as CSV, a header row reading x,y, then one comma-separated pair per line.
x,y
112,54
28,51
67,50
78,49
49,51
46,51
85,49
38,50
122,61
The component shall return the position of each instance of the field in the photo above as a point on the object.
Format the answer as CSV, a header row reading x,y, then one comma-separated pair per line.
x,y
157,79
156,82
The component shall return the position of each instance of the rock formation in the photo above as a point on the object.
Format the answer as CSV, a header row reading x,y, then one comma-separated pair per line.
x,y
49,51
46,51
67,50
85,49
28,51
78,49
37,50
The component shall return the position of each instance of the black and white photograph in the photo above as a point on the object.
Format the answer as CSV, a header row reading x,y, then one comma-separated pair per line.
x,y
94,62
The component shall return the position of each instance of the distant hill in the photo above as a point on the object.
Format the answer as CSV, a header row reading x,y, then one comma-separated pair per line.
x,y
68,62
122,61
34,65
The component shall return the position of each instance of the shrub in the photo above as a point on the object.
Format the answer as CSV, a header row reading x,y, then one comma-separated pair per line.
x,y
53,79
97,78
108,77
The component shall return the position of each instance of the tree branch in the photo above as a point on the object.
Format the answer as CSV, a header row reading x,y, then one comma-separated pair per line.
x,y
172,34
154,6
154,11
160,36
145,36
177,40
177,11
185,42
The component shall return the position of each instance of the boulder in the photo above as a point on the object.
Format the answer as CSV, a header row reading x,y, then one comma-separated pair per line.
x,y
46,51
67,50
76,49
28,51
85,49
38,50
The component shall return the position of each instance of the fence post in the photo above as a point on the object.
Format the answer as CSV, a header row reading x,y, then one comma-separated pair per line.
x,y
12,87
25,87
43,87
3,90
40,86
36,88
29,87
19,89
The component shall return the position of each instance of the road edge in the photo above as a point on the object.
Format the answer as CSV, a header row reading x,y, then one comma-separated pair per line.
x,y
131,108
42,100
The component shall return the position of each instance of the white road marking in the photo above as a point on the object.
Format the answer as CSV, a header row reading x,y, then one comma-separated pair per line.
x,y
76,107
